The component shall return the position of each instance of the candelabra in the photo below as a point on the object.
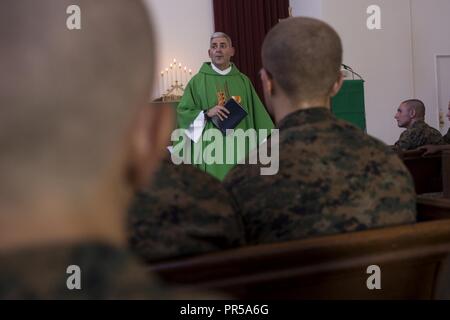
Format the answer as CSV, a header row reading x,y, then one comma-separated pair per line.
x,y
173,81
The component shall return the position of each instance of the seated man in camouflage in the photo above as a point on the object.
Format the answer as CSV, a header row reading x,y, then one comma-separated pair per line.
x,y
66,166
332,176
183,212
410,115
446,137
433,148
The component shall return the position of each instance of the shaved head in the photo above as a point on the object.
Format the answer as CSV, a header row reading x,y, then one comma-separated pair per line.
x,y
304,56
67,96
418,106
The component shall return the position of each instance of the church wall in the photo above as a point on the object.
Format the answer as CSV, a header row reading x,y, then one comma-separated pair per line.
x,y
431,28
183,31
383,57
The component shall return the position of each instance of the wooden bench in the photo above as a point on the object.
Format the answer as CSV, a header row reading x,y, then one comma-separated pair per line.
x,y
412,258
431,174
430,208
425,171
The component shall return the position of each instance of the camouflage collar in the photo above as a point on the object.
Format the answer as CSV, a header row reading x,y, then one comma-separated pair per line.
x,y
418,123
305,116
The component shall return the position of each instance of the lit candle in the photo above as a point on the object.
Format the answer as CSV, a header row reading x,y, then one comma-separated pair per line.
x,y
190,74
185,74
167,79
175,69
180,74
161,89
174,72
171,76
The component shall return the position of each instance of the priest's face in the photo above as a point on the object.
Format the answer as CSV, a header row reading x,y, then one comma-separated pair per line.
x,y
220,52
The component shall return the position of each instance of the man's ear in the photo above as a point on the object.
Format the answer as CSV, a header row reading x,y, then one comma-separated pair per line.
x,y
412,112
337,85
150,137
267,81
233,51
209,53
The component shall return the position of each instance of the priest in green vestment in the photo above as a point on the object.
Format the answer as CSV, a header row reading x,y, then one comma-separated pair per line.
x,y
205,96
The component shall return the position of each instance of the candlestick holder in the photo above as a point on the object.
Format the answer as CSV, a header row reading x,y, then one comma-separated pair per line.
x,y
173,81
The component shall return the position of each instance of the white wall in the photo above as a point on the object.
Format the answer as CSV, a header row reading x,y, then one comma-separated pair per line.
x,y
306,8
383,57
431,29
397,62
183,31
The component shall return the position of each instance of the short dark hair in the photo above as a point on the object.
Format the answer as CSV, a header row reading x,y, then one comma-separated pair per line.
x,y
66,106
417,105
304,56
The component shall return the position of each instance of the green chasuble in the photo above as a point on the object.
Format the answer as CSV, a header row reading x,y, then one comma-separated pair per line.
x,y
209,153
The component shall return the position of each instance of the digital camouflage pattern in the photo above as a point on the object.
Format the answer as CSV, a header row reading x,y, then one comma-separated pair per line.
x,y
446,138
419,134
332,178
106,273
184,212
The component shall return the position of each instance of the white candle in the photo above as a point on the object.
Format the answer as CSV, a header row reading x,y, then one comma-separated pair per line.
x,y
167,79
185,75
175,70
171,76
161,82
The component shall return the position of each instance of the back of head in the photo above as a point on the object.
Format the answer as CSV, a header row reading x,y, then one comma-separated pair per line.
x,y
67,96
418,106
304,56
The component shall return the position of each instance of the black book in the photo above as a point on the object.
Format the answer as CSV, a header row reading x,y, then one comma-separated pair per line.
x,y
237,113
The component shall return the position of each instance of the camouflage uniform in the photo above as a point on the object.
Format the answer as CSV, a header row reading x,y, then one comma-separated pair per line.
x,y
332,178
446,138
106,273
419,134
184,212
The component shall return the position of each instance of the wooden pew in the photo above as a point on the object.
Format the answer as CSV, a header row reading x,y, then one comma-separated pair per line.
x,y
431,173
446,173
412,259
431,208
426,171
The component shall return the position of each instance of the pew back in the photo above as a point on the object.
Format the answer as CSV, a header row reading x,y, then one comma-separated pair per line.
x,y
431,208
426,171
411,259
